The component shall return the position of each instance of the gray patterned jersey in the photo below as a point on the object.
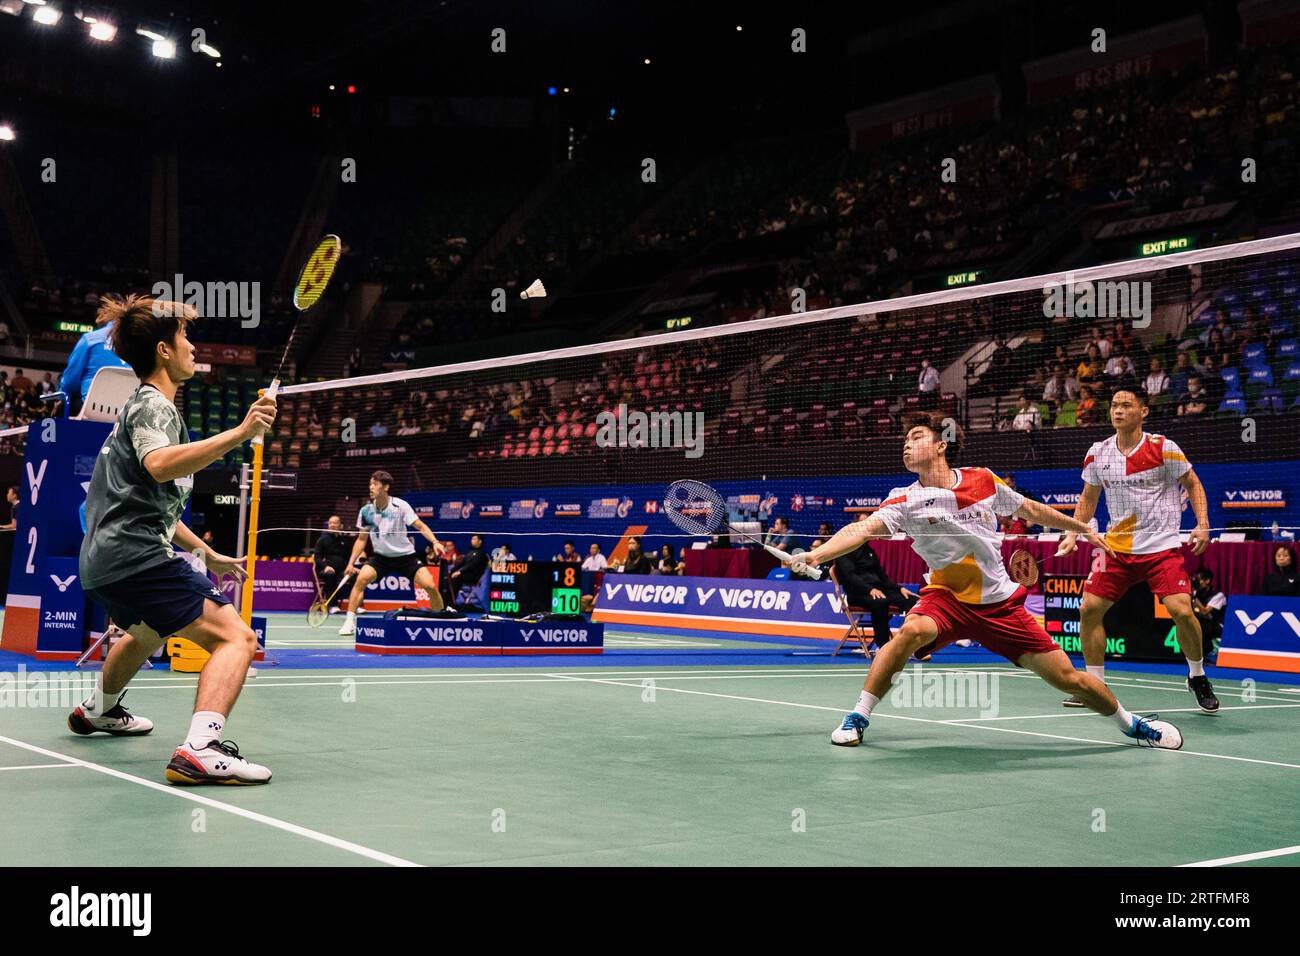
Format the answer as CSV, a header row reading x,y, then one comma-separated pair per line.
x,y
130,517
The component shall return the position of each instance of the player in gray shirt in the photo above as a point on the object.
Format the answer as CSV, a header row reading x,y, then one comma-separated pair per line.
x,y
142,479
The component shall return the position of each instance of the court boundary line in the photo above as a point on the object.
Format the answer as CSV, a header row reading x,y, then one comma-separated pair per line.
x,y
1244,857
293,828
948,723
358,678
1084,712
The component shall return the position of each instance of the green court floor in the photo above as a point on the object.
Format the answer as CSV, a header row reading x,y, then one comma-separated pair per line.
x,y
661,766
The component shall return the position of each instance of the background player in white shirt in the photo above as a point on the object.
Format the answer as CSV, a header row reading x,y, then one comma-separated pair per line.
x,y
385,519
1143,476
951,515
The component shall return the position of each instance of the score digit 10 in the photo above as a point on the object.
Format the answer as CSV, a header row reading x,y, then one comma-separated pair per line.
x,y
566,595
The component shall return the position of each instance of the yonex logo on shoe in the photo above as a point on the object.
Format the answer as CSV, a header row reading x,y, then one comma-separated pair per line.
x,y
75,909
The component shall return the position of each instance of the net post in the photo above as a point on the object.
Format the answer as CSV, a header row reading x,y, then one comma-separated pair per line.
x,y
250,558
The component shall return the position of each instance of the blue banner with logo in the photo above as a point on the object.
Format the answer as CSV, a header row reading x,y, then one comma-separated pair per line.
x,y
426,636
786,608
1261,633
535,522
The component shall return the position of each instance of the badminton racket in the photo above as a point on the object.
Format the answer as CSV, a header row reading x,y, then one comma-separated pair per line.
x,y
698,509
1024,567
312,280
319,611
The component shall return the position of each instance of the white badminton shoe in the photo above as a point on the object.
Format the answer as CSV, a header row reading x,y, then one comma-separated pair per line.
x,y
219,762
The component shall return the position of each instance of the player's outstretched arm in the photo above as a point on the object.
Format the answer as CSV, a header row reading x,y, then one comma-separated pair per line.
x,y
1083,511
177,461
1039,513
219,564
419,525
358,549
1199,539
846,540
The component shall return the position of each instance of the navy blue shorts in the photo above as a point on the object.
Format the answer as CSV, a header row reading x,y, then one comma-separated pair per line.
x,y
167,597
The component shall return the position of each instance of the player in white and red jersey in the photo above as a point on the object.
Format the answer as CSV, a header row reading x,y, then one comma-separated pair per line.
x,y
1143,476
951,514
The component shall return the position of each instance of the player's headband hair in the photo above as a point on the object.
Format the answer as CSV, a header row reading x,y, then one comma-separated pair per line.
x,y
139,323
944,428
1137,391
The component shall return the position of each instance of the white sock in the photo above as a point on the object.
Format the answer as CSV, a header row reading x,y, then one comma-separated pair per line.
x,y
205,727
352,616
1196,668
866,702
1098,672
1122,717
98,702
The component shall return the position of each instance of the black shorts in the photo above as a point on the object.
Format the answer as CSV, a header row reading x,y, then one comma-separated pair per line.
x,y
167,597
403,566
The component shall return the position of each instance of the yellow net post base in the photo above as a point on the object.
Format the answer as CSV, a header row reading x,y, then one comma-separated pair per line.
x,y
186,656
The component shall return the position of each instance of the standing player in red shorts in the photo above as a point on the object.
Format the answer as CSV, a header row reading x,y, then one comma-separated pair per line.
x,y
951,515
1141,474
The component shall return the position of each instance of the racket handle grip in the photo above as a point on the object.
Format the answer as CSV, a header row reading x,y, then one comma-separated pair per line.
x,y
270,393
814,573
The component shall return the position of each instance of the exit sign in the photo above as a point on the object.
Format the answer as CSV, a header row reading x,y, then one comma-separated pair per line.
x,y
681,323
225,499
963,278
1161,247
77,327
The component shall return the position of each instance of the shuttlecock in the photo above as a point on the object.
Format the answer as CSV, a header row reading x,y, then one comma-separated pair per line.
x,y
534,291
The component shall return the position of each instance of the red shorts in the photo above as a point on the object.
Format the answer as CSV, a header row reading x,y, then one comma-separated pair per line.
x,y
1004,627
1164,572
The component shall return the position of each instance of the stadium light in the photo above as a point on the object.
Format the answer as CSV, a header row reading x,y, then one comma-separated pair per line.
x,y
12,7
6,133
164,49
210,51
102,31
47,16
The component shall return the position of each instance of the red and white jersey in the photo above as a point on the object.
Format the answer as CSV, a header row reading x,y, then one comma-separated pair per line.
x,y
1143,495
955,531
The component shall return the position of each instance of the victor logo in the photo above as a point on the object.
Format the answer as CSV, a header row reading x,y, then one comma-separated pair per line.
x,y
447,634
61,584
75,909
1252,625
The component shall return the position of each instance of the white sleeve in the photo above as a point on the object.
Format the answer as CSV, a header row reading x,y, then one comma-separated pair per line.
x,y
1218,602
1006,500
361,520
893,511
408,514
1091,473
1176,463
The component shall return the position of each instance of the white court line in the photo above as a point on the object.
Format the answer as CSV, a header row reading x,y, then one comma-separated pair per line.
x,y
927,720
262,818
1245,857
40,766
1087,713
543,679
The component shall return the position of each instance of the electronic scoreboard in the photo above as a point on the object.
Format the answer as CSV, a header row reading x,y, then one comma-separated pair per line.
x,y
518,588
